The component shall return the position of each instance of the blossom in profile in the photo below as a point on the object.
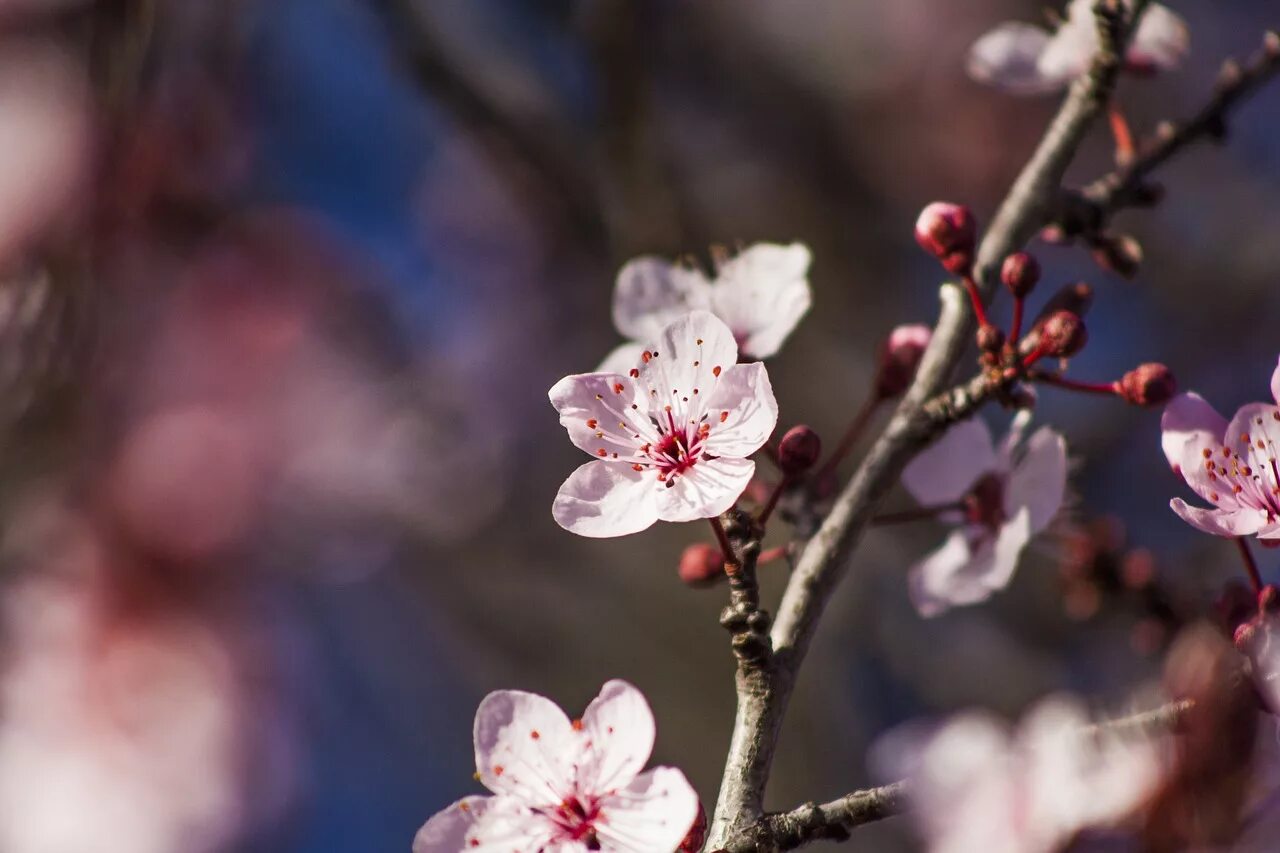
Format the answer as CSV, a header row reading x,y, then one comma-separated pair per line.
x,y
761,294
1026,59
670,438
999,498
1231,465
569,786
977,785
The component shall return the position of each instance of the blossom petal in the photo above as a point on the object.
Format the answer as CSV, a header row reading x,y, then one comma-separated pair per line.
x,y
596,410
958,573
601,499
762,294
943,472
1162,41
622,358
685,364
1217,522
1006,57
1189,426
742,411
1071,49
1039,480
525,747
619,727
650,293
1275,384
704,491
653,813
485,824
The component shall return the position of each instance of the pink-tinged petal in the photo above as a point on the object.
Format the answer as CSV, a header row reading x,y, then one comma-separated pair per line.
x,y
741,410
704,491
1189,426
622,359
619,729
943,472
525,747
762,294
1038,481
486,825
601,499
650,293
1071,49
653,813
1216,522
685,364
596,410
1162,41
1275,384
1007,56
958,574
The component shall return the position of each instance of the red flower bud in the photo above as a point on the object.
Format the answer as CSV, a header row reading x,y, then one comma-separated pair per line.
x,y
1020,273
900,356
697,833
1245,636
1150,384
1269,599
798,450
701,564
1063,335
990,339
948,232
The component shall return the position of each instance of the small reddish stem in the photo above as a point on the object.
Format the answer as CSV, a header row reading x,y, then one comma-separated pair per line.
x,y
979,310
1125,148
767,511
1250,566
851,435
1015,331
923,513
768,555
723,539
1075,384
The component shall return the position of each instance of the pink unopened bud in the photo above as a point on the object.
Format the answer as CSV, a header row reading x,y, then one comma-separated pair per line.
x,y
900,356
1150,384
990,339
948,232
798,450
1020,273
1246,636
1269,599
701,564
1063,335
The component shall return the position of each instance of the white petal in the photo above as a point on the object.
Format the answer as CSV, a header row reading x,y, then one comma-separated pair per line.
x,y
1275,384
622,358
1070,50
1217,522
525,747
1161,42
1007,56
958,574
691,355
1188,427
943,472
651,815
484,824
651,292
596,410
603,499
704,491
1038,481
620,730
762,294
741,410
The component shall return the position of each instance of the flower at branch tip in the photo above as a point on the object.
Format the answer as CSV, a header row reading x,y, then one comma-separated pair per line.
x,y
670,437
899,359
701,564
975,785
1020,272
1231,465
566,786
1003,496
1150,384
798,450
949,233
760,294
1024,59
1062,335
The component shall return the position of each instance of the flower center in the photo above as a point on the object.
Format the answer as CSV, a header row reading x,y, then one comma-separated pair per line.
x,y
1249,472
984,505
575,818
677,449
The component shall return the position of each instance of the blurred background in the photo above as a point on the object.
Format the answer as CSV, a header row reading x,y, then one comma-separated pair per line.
x,y
284,286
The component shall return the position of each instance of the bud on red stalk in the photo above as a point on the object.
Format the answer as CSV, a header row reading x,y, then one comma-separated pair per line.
x,y
1150,384
900,356
701,564
948,232
798,450
1269,599
1063,335
990,339
1020,273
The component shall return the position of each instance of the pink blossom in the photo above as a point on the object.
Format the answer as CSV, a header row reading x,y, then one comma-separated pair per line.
x,y
671,438
1027,60
1000,497
761,294
976,785
1230,465
565,786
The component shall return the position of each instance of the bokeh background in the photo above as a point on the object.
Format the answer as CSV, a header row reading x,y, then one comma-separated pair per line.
x,y
285,283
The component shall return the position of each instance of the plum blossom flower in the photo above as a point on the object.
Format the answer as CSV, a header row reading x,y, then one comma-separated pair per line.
x,y
1230,465
762,293
1001,498
565,786
1025,59
978,786
670,438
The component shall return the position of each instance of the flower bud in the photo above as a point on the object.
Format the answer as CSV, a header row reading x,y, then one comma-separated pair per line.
x,y
798,450
900,356
1121,254
701,564
1269,599
948,232
990,339
1063,335
697,833
1245,636
1150,384
1020,273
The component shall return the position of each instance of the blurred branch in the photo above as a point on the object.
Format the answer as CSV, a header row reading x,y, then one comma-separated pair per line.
x,y
823,563
1088,210
833,821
